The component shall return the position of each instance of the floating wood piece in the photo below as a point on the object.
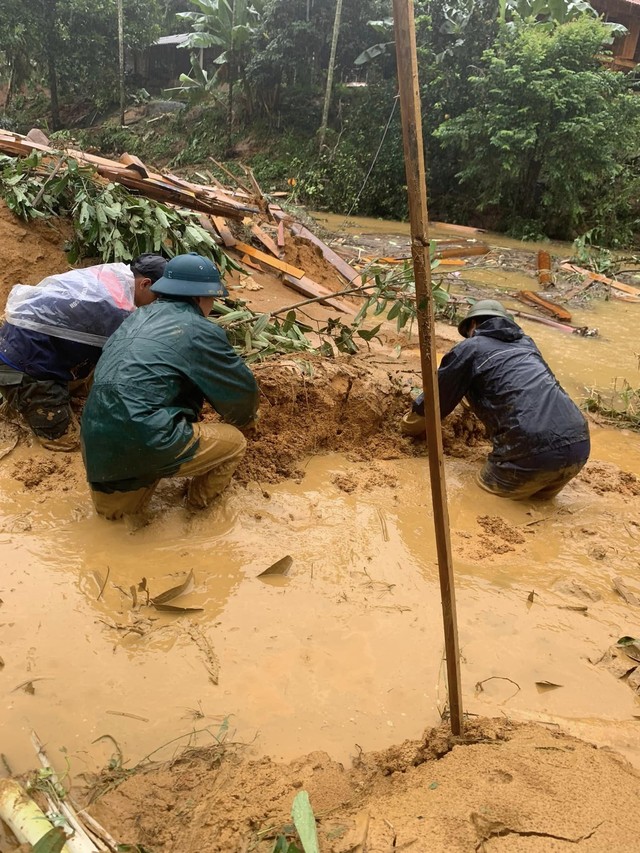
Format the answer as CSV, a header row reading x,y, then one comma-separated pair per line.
x,y
312,289
135,163
265,239
531,298
624,592
277,264
281,234
464,229
223,230
584,331
329,255
464,249
544,268
616,285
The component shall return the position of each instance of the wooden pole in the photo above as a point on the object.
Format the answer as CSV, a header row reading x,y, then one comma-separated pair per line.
x,y
417,193
121,59
332,65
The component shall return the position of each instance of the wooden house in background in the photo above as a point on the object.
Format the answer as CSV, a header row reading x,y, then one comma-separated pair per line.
x,y
626,49
160,65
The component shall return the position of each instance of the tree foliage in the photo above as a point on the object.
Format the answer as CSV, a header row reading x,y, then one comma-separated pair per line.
x,y
552,137
72,45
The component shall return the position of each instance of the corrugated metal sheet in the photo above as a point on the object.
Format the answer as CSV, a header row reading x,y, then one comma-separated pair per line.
x,y
179,39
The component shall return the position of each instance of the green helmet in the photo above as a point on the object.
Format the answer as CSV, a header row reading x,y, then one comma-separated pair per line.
x,y
190,275
484,308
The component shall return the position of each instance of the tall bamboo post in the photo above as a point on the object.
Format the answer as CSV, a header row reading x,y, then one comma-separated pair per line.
x,y
417,192
121,59
332,65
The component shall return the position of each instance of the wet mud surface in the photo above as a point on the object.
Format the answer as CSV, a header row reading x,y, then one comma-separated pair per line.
x,y
345,654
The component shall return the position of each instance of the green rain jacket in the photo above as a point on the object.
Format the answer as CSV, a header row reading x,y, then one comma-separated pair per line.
x,y
150,384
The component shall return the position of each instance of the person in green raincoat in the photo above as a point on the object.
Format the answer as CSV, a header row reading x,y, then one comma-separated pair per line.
x,y
141,420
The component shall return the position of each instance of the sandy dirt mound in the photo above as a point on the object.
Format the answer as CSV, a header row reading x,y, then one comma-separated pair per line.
x,y
30,250
315,405
604,477
508,787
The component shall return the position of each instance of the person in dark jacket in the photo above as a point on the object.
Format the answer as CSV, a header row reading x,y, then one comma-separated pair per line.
x,y
140,422
53,337
540,438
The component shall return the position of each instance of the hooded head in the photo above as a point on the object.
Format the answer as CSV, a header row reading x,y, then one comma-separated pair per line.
x,y
481,311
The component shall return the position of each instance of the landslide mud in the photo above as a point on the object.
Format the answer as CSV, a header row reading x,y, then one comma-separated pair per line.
x,y
30,251
433,795
313,405
345,653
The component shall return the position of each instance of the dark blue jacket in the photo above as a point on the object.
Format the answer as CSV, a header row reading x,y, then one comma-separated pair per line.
x,y
511,389
45,357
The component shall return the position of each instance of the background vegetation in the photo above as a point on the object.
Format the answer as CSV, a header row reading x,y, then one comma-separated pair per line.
x,y
526,129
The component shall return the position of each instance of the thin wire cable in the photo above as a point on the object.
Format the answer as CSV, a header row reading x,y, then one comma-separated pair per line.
x,y
373,162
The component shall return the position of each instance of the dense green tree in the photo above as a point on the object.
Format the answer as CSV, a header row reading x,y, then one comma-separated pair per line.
x,y
73,44
551,139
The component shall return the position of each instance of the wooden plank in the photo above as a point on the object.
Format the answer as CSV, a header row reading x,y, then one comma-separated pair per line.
x,y
310,288
265,239
246,260
329,255
135,164
221,227
616,285
281,234
277,264
531,298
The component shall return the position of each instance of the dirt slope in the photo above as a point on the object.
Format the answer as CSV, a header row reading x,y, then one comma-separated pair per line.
x,y
511,788
29,251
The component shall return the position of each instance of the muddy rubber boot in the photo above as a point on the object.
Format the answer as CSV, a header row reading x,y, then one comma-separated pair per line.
x,y
413,425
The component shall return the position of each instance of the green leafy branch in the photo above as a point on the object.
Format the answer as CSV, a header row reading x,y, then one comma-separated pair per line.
x,y
388,292
109,222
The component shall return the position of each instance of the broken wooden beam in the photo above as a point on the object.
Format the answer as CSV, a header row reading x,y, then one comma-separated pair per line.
x,y
463,249
275,263
265,239
615,285
531,298
223,230
312,289
163,188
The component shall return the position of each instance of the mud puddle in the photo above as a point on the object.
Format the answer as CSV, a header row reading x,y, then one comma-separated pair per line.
x,y
347,650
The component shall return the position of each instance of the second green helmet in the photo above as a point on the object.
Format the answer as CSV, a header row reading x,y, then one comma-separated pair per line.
x,y
484,309
190,275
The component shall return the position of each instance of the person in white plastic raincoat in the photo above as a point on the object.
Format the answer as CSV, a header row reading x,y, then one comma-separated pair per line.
x,y
53,336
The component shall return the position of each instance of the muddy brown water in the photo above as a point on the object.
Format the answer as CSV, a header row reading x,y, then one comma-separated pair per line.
x,y
346,652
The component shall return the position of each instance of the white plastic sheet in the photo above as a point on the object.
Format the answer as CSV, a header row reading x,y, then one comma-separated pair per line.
x,y
85,305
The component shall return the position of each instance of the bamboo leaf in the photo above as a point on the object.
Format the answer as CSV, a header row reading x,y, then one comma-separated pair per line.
x,y
175,591
305,822
52,842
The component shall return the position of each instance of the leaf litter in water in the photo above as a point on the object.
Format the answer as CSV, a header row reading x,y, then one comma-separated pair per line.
x,y
161,601
623,590
280,568
544,686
